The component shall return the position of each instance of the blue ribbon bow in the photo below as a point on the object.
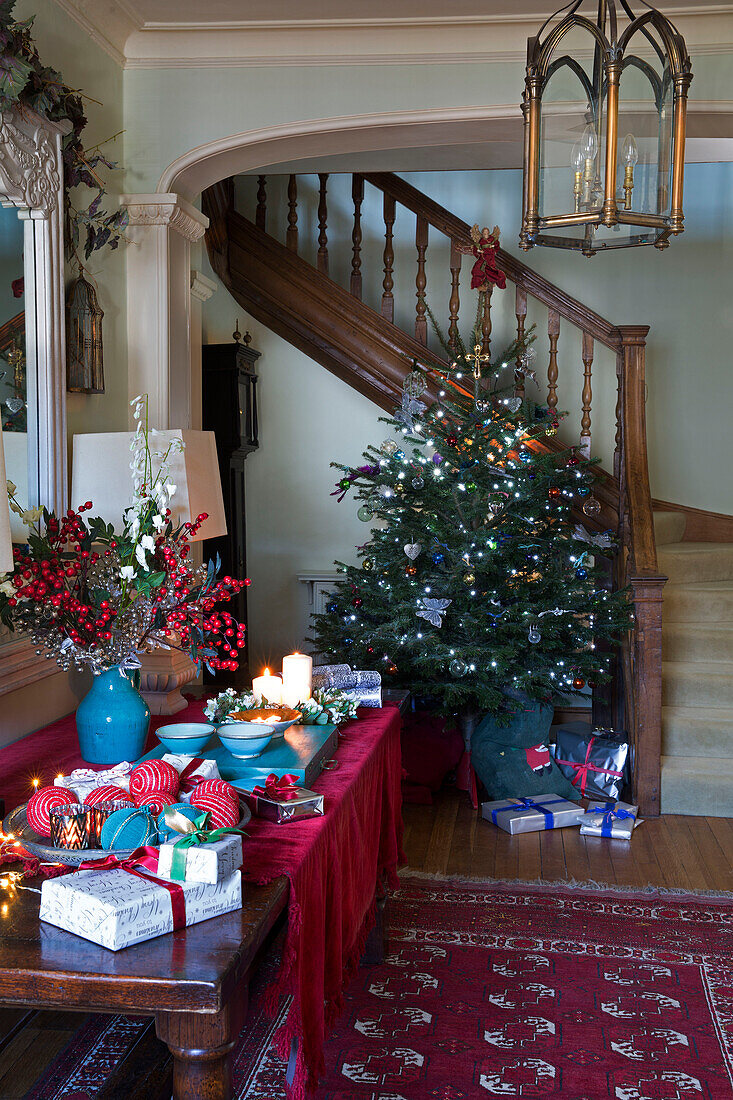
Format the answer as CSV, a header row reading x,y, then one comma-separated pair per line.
x,y
522,805
609,816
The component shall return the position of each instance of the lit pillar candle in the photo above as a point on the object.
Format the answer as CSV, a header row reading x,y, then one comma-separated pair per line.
x,y
268,687
297,674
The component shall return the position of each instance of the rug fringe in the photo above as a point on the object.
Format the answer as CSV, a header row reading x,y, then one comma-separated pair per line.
x,y
650,890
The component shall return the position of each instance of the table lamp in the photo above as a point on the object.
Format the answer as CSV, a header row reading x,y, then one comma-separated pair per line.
x,y
6,542
101,473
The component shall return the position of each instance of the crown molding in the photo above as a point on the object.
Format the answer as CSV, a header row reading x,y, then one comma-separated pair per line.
x,y
135,43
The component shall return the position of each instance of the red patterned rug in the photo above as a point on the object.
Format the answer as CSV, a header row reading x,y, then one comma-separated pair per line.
x,y
510,990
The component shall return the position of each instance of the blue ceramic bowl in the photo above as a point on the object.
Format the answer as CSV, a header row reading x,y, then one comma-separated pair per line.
x,y
245,739
186,738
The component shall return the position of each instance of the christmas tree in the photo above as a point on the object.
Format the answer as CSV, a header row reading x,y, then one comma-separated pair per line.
x,y
477,580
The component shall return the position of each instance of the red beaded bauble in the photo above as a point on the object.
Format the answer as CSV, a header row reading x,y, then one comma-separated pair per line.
x,y
553,493
153,777
578,683
452,440
39,804
156,802
108,794
216,786
223,809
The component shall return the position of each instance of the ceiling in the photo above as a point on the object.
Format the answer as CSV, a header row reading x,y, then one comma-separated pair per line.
x,y
176,12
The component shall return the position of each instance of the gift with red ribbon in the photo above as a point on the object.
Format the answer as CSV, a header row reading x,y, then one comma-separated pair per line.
x,y
594,760
116,902
281,799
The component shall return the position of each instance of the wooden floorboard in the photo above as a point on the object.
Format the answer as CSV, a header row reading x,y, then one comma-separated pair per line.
x,y
676,852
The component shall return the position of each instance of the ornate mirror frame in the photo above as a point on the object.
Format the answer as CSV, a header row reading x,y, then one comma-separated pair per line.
x,y
31,181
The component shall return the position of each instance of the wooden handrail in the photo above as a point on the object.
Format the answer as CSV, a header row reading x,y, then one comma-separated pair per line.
x,y
458,230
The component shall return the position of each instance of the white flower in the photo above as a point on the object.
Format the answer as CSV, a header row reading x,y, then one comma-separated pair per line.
x,y
127,572
148,542
12,487
140,555
32,515
159,523
7,588
170,488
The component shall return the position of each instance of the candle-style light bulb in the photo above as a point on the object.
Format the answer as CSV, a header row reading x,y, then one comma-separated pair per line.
x,y
577,160
630,156
589,148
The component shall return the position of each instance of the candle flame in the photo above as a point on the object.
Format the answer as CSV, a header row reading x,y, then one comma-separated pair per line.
x,y
266,672
36,783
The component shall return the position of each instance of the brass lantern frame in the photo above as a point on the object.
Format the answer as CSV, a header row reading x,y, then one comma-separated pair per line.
x,y
610,60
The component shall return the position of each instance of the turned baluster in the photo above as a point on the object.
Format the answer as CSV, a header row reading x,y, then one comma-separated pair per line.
x,y
454,303
291,237
486,323
388,281
322,219
619,438
553,331
357,194
585,435
261,214
520,310
421,240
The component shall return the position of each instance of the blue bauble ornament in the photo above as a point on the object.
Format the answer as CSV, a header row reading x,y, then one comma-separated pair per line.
x,y
129,828
183,808
399,455
438,558
332,608
582,490
581,573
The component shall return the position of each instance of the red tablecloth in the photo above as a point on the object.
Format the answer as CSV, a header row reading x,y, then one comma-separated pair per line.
x,y
332,862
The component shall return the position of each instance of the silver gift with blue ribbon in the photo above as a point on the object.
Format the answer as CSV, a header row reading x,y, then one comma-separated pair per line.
x,y
531,815
615,820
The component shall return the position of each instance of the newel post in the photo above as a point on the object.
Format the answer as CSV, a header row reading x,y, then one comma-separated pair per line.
x,y
643,659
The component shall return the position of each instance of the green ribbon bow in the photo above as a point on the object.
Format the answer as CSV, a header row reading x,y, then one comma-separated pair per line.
x,y
195,833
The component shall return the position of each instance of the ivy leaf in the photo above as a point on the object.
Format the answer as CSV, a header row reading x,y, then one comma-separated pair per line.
x,y
14,75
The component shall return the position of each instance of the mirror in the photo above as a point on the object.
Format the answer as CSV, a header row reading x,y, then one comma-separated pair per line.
x,y
16,373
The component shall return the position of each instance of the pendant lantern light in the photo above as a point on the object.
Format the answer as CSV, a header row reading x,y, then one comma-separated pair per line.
x,y
604,107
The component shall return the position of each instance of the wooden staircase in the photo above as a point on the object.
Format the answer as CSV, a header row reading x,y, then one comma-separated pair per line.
x,y
363,346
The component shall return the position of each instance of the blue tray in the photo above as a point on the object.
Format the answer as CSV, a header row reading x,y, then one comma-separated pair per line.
x,y
302,752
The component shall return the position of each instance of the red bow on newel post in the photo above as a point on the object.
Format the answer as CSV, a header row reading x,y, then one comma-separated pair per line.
x,y
278,789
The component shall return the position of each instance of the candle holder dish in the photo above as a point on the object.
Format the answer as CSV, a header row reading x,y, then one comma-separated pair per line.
x,y
186,738
16,823
245,740
279,718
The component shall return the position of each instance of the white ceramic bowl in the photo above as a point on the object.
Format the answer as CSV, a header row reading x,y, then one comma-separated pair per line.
x,y
245,740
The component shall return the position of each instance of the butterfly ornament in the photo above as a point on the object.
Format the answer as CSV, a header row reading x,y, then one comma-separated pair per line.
x,y
432,610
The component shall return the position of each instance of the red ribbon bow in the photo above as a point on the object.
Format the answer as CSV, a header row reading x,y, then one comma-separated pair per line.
x,y
146,857
187,782
282,789
581,770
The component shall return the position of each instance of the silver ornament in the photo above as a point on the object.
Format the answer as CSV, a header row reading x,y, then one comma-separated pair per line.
x,y
458,668
591,507
414,384
418,483
534,635
413,550
388,447
514,404
432,610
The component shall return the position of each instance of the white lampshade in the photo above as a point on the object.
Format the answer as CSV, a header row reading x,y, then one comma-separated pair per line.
x,y
6,543
101,473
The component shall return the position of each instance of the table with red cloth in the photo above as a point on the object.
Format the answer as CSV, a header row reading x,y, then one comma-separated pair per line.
x,y
332,863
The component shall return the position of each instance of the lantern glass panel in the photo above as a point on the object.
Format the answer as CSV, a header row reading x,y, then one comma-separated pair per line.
x,y
572,136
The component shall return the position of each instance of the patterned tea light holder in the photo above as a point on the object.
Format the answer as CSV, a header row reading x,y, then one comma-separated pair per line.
x,y
100,813
72,827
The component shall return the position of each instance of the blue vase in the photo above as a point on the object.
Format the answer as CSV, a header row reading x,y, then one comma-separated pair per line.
x,y
112,720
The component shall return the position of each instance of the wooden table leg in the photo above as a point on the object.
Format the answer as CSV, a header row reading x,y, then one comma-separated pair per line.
x,y
201,1044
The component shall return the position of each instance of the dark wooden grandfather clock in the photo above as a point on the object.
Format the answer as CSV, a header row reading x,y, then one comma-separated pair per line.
x,y
230,411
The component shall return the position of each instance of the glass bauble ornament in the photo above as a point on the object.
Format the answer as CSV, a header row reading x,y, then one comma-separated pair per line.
x,y
581,573
388,447
345,483
367,565
357,602
591,507
399,455
553,493
418,483
452,440
469,578
472,487
573,460
437,459
364,513
578,683
551,430
458,668
482,405
582,490
332,608
534,635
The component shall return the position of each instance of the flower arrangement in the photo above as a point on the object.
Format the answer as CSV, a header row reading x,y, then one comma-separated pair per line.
x,y
326,705
89,597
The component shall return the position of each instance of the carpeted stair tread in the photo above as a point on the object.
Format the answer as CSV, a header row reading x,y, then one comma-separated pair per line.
x,y
696,561
669,527
697,731
697,786
688,641
700,683
698,602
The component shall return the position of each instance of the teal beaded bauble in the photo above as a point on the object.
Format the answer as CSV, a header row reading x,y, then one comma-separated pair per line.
x,y
164,832
129,828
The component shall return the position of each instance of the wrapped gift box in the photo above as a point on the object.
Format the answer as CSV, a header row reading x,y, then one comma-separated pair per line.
x,y
594,760
530,815
364,688
611,819
204,769
83,781
202,862
116,909
305,804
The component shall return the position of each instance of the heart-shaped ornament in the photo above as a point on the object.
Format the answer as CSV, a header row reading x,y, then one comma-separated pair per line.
x,y
514,404
14,404
412,549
